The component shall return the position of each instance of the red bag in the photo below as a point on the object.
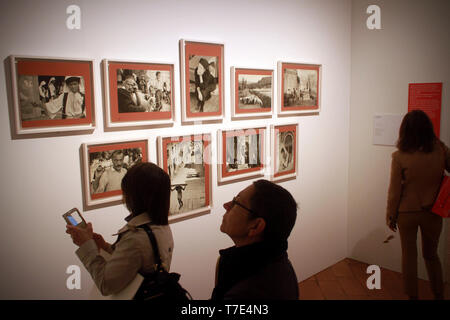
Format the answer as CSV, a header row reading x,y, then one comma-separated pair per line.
x,y
442,204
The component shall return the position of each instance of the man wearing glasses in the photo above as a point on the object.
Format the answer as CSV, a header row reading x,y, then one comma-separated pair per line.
x,y
259,220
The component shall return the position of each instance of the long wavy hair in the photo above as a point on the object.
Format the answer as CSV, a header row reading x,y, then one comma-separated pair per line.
x,y
416,133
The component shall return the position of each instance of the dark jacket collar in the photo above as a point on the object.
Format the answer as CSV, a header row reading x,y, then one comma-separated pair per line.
x,y
239,263
258,250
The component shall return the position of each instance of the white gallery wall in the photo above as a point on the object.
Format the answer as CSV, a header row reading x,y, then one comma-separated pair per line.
x,y
411,47
42,176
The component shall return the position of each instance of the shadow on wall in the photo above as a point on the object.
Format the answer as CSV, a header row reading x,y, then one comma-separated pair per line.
x,y
373,250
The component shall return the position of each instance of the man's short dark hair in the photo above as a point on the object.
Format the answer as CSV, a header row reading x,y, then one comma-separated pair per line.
x,y
146,188
117,152
128,76
276,206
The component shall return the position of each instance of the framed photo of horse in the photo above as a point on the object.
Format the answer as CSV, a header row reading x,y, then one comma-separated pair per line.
x,y
251,92
299,88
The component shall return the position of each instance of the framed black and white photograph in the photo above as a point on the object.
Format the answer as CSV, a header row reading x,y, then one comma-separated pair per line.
x,y
138,93
251,92
52,95
187,160
241,153
104,166
202,93
299,88
284,151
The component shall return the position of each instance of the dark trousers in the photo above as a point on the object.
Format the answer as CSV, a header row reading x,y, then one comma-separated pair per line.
x,y
158,96
430,225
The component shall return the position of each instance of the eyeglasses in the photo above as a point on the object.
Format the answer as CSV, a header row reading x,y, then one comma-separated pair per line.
x,y
235,202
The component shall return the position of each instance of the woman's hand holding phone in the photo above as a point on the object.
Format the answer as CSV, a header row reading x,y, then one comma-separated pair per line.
x,y
80,235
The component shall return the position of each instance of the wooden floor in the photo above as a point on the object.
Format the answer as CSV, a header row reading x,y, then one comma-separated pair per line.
x,y
346,280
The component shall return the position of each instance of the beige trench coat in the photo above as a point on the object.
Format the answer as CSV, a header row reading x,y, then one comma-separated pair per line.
x,y
131,254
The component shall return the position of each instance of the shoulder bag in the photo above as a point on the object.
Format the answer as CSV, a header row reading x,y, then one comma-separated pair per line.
x,y
442,204
160,285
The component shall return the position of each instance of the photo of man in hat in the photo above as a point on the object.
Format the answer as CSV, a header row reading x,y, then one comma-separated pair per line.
x,y
205,84
128,98
69,104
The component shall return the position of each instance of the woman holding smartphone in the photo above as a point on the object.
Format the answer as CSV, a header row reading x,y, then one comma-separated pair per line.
x,y
146,194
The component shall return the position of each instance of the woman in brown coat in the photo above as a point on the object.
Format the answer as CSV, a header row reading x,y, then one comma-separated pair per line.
x,y
416,173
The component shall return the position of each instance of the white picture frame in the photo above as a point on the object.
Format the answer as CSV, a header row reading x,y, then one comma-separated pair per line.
x,y
34,109
115,117
299,88
187,159
246,148
284,145
99,155
192,53
255,101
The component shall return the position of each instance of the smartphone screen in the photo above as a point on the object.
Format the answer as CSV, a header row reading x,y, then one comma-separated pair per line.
x,y
74,218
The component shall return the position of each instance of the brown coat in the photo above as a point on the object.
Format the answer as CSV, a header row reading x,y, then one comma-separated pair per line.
x,y
415,179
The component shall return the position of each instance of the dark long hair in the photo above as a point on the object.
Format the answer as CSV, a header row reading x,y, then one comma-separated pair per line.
x,y
146,188
416,133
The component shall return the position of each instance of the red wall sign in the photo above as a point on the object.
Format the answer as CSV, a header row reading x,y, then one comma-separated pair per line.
x,y
428,98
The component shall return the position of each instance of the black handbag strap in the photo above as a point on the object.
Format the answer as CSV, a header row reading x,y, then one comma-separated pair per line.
x,y
154,244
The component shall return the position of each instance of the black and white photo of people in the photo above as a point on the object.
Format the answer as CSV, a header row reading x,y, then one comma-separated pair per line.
x,y
143,90
107,168
243,152
186,168
300,87
203,80
51,97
